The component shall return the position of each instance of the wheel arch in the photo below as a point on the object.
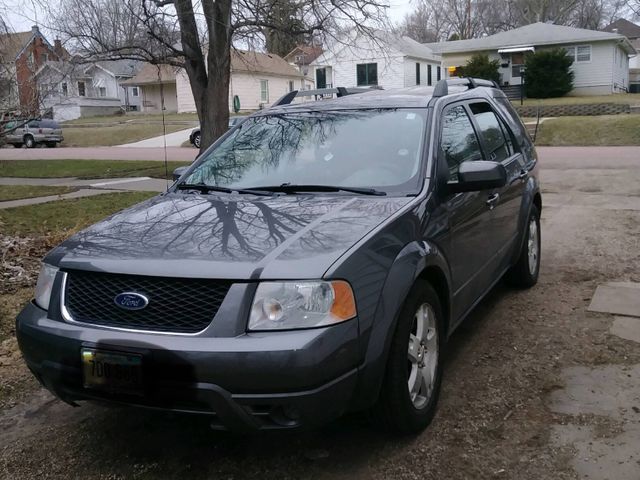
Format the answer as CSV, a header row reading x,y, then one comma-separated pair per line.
x,y
418,260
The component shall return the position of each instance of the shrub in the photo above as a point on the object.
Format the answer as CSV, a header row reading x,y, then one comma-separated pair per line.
x,y
479,66
548,74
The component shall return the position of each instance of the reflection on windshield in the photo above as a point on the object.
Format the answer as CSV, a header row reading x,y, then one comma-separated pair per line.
x,y
365,148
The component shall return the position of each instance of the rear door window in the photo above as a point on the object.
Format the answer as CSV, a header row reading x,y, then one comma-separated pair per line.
x,y
497,144
458,142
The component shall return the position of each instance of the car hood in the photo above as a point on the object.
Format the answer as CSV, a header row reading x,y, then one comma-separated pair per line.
x,y
227,236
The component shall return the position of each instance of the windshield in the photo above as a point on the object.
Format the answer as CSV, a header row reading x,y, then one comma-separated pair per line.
x,y
365,148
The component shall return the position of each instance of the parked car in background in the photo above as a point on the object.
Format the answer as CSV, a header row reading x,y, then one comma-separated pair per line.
x,y
313,261
33,133
194,137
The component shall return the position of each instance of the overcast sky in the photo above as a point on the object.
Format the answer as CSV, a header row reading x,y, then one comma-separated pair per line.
x,y
22,14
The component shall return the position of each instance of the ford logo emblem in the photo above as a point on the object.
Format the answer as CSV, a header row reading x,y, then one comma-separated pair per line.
x,y
131,301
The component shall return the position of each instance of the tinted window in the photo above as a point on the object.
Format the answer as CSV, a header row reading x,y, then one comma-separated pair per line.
x,y
367,74
365,148
459,142
492,132
49,124
34,124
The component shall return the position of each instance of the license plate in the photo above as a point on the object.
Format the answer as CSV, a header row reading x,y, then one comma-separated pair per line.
x,y
113,372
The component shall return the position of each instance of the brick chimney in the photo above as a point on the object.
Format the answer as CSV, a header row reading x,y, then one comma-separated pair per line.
x,y
57,48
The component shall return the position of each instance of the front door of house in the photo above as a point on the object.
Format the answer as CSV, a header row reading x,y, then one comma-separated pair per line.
x,y
321,78
517,64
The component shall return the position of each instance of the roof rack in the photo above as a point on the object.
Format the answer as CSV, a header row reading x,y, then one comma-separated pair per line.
x,y
442,87
287,98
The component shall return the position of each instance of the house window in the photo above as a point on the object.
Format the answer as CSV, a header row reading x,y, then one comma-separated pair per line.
x,y
517,62
417,73
264,90
102,91
439,73
81,89
135,92
45,57
580,53
291,87
367,74
583,53
65,89
429,79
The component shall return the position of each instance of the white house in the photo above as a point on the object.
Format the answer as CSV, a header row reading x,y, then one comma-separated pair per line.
x,y
108,77
388,61
601,59
257,80
632,32
155,87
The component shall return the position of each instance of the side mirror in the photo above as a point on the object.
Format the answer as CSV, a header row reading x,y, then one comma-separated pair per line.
x,y
479,175
177,173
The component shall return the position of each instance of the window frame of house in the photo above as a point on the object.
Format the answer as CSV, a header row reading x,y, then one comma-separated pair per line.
x,y
417,73
264,91
64,88
438,73
370,70
429,75
292,85
82,91
102,92
572,51
135,92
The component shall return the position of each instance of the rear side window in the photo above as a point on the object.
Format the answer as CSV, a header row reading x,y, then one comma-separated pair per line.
x,y
34,124
492,131
458,142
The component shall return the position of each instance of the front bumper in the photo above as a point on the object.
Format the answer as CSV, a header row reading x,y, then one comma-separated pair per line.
x,y
272,380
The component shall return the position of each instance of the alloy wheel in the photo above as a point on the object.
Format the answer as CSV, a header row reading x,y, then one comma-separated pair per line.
x,y
533,246
423,356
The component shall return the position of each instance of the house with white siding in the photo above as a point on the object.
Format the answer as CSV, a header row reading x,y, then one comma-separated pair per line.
x,y
600,59
155,87
257,80
387,60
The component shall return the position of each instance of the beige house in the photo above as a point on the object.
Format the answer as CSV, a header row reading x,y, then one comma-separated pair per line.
x,y
257,79
157,87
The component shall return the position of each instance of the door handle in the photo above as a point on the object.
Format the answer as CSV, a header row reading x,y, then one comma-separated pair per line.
x,y
493,200
524,173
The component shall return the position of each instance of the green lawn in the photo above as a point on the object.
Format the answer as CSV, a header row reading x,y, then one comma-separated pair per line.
x,y
135,117
63,217
86,168
590,131
114,135
16,192
630,98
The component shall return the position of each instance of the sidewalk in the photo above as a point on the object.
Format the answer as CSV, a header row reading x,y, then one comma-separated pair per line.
x,y
87,188
174,139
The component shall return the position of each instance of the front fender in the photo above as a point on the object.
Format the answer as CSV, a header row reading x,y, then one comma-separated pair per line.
x,y
531,189
409,264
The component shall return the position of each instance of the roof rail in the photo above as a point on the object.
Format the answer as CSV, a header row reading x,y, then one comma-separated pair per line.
x,y
287,98
442,87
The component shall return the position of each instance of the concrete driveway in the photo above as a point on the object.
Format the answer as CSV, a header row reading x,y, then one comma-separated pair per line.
x,y
174,139
536,386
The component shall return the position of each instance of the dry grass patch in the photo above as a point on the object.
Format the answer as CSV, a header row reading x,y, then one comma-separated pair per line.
x,y
17,192
108,136
590,131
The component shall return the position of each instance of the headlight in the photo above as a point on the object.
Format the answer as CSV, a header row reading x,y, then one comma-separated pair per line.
x,y
44,285
303,304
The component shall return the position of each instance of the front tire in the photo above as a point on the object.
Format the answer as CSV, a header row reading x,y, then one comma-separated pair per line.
x,y
29,142
411,386
524,273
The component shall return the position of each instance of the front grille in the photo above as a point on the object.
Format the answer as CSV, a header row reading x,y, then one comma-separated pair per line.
x,y
180,305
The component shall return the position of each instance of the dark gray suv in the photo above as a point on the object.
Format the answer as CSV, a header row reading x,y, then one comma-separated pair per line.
x,y
312,262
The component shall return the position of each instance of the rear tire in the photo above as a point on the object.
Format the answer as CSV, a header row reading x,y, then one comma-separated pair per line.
x,y
411,386
524,274
29,142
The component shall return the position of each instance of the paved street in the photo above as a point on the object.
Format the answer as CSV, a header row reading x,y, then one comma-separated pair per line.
x,y
586,157
536,385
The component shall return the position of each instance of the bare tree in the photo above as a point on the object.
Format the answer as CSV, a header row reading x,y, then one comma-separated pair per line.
x,y
198,35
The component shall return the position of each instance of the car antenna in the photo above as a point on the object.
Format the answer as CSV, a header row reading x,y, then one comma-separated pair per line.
x,y
164,128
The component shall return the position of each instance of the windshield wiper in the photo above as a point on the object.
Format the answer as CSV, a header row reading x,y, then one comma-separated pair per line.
x,y
293,188
204,188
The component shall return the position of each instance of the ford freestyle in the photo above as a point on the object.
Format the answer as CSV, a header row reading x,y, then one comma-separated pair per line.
x,y
312,262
